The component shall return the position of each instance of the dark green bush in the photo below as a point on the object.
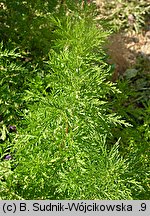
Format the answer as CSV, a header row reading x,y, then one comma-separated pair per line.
x,y
66,145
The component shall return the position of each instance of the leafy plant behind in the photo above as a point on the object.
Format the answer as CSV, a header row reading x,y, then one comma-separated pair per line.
x,y
60,150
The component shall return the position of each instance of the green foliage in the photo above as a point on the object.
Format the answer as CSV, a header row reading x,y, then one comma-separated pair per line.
x,y
25,24
124,14
67,112
11,82
133,104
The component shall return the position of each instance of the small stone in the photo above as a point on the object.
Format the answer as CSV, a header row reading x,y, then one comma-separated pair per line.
x,y
8,157
131,19
130,73
12,128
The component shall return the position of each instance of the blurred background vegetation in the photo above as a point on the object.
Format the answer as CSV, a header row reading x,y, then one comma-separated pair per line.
x,y
34,35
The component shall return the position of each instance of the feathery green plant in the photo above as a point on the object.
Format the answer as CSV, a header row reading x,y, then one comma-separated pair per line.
x,y
60,151
61,148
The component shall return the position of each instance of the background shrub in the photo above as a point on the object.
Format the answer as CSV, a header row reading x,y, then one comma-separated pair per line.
x,y
66,145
